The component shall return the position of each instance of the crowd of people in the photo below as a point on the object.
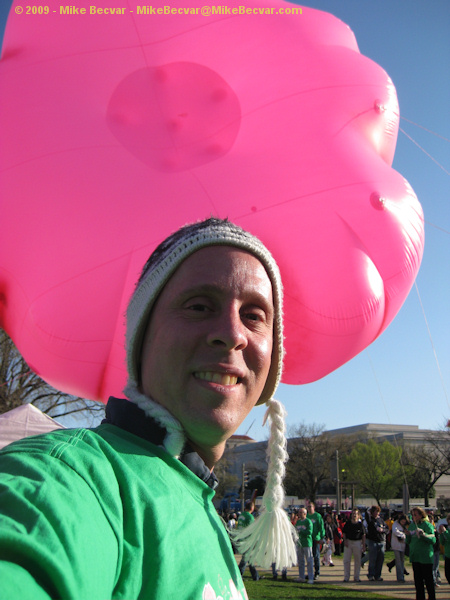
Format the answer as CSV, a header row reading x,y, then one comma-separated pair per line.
x,y
364,538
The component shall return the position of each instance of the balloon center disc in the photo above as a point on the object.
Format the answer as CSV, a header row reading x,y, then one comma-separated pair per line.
x,y
176,116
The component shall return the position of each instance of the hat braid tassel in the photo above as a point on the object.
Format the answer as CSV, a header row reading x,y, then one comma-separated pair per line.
x,y
271,538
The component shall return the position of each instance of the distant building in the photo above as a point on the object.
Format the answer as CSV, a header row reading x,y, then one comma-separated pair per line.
x,y
377,430
245,450
251,454
239,440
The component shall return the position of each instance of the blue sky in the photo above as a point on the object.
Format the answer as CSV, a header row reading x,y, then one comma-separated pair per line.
x,y
397,379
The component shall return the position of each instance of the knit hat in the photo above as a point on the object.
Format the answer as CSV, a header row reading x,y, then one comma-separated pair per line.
x,y
271,537
163,263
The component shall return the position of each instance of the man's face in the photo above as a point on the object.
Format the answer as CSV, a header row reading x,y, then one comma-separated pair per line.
x,y
207,348
311,509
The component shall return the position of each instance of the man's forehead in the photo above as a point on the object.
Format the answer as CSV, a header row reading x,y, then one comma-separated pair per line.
x,y
220,264
222,254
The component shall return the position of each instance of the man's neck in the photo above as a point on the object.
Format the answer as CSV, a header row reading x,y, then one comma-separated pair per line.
x,y
210,455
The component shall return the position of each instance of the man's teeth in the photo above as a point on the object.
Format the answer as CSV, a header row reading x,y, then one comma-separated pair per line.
x,y
221,378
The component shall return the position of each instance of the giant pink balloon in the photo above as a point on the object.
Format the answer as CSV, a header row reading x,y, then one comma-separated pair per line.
x,y
119,128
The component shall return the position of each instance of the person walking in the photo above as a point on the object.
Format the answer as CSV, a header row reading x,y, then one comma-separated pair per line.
x,y
275,573
376,535
304,529
398,545
318,534
436,553
337,531
244,520
354,537
294,519
444,539
231,523
329,543
420,537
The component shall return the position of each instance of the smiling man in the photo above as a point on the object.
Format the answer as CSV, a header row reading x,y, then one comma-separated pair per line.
x,y
207,348
89,513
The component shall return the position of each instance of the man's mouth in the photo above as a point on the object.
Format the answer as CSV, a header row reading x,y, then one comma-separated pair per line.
x,y
214,377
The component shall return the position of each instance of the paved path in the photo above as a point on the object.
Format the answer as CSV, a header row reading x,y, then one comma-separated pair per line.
x,y
389,586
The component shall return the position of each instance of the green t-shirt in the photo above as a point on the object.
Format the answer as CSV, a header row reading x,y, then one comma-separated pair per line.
x,y
421,548
102,514
318,532
304,529
245,519
444,539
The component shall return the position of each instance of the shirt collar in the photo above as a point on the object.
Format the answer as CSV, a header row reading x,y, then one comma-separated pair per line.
x,y
129,417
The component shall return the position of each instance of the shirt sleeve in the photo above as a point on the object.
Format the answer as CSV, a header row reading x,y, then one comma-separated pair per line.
x,y
430,537
322,528
52,532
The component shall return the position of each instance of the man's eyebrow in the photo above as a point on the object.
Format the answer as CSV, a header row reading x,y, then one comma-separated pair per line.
x,y
209,288
202,288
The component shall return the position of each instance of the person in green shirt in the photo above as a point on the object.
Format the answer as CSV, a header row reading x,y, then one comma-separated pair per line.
x,y
444,539
87,514
244,520
421,538
318,534
304,529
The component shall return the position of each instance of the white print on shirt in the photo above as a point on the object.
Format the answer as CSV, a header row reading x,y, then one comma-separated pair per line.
x,y
233,594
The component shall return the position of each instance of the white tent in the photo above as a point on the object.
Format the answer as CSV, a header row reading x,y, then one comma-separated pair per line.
x,y
24,421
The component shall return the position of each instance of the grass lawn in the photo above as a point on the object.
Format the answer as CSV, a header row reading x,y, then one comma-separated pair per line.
x,y
279,590
268,589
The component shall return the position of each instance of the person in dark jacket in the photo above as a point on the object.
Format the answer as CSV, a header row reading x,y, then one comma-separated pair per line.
x,y
376,536
354,536
329,541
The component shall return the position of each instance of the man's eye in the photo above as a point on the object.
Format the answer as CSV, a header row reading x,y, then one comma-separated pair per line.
x,y
254,316
198,307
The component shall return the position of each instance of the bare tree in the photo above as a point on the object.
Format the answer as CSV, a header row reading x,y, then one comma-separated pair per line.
x,y
311,450
227,481
427,464
20,385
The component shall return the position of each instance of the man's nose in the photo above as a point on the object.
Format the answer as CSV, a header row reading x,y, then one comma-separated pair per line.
x,y
228,330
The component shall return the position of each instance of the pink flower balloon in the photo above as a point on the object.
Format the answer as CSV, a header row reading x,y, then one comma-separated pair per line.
x,y
119,128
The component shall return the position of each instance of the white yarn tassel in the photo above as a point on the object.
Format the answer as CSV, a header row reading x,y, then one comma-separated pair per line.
x,y
271,538
175,438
